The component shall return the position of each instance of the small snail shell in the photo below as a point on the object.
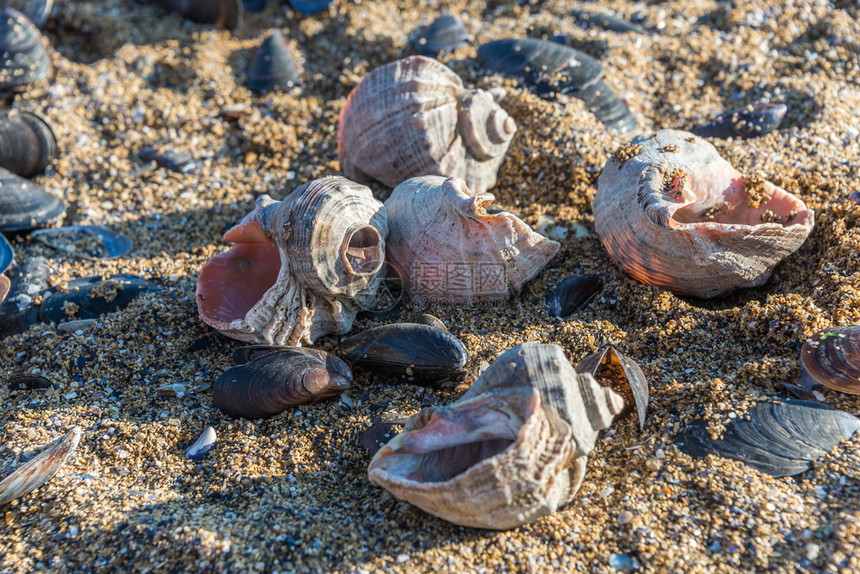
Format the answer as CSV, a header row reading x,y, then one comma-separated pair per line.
x,y
673,214
414,117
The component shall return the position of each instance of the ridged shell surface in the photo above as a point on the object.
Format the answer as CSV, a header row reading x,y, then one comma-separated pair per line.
x,y
414,117
24,205
511,450
23,58
27,143
301,268
673,214
449,249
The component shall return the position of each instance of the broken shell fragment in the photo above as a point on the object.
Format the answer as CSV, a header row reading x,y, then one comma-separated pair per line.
x,y
85,241
27,143
272,383
445,34
440,127
91,297
221,13
573,294
673,214
178,161
204,443
423,354
272,67
19,310
615,370
5,285
744,123
511,450
587,18
24,205
450,250
33,474
300,268
779,438
23,58
27,381
7,254
832,358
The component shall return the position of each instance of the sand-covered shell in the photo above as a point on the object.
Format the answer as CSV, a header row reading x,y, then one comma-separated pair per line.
x,y
511,450
414,117
300,268
449,249
673,214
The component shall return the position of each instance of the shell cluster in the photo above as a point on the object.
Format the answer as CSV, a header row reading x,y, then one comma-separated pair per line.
x,y
414,117
512,449
673,214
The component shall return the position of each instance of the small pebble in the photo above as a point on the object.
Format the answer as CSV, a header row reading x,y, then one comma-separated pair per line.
x,y
625,517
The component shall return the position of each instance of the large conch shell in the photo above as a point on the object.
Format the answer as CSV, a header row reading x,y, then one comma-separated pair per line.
x,y
511,450
414,117
450,250
300,268
673,214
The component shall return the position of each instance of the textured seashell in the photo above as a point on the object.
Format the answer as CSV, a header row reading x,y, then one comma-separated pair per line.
x,y
615,370
778,438
272,66
552,69
204,443
424,354
27,381
85,241
440,127
673,214
271,383
7,254
221,13
24,205
573,294
744,123
832,358
448,249
23,58
19,310
36,10
432,320
511,450
300,268
445,34
587,18
36,472
91,297
310,6
27,143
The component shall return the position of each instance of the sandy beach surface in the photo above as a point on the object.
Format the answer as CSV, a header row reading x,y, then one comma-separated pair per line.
x,y
291,493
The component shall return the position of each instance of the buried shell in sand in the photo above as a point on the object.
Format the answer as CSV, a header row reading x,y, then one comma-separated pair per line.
x,y
673,214
440,128
300,268
449,249
511,450
33,474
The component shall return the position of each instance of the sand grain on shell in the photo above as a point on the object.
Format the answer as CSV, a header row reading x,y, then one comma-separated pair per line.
x,y
291,493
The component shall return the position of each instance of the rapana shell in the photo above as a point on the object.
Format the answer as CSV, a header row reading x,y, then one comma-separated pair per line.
x,y
673,214
511,450
300,268
414,117
449,249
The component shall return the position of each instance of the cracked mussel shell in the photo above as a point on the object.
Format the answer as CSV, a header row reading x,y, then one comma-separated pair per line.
x,y
273,67
23,58
779,438
612,368
221,13
445,34
24,205
832,358
36,472
275,379
411,352
27,143
744,123
573,294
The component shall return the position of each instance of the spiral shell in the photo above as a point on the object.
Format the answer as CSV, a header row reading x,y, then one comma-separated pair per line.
x,y
300,268
448,248
414,117
673,214
511,450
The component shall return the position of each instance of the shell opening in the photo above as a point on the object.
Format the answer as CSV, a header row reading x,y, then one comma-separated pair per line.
x,y
231,283
363,251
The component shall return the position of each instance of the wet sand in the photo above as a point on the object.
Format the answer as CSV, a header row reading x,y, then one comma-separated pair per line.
x,y
291,493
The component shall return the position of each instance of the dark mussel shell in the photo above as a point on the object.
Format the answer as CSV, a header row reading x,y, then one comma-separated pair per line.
x,y
272,66
27,143
423,354
779,438
611,368
85,241
27,381
7,254
254,5
573,293
24,205
221,13
606,21
91,297
271,383
832,358
19,311
248,353
445,34
180,162
552,69
432,320
310,6
23,58
744,123
36,10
